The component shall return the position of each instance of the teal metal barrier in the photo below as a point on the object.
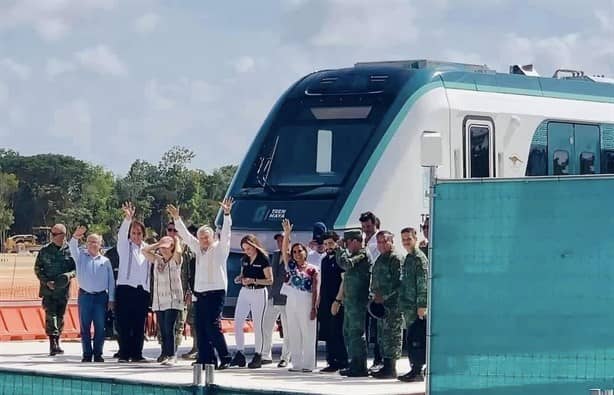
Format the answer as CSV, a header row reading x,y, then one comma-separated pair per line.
x,y
522,287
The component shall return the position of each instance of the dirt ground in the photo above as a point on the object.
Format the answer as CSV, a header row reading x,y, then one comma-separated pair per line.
x,y
17,278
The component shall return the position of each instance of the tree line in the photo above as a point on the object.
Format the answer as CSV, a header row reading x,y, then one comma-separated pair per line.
x,y
41,190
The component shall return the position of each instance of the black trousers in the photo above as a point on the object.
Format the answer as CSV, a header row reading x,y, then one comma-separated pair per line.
x,y
331,330
416,343
210,338
132,306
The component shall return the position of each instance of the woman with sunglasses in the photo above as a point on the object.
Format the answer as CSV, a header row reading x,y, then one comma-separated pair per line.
x,y
301,305
256,274
167,300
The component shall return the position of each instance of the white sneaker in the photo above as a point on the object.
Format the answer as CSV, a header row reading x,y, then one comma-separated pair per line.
x,y
170,361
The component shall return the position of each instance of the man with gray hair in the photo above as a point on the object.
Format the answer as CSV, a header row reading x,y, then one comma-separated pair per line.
x,y
210,283
96,291
55,268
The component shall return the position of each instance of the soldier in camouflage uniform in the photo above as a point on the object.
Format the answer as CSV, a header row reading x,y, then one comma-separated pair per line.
x,y
386,286
357,265
413,304
55,268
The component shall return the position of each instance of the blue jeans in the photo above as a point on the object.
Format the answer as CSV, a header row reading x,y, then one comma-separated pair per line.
x,y
167,320
92,308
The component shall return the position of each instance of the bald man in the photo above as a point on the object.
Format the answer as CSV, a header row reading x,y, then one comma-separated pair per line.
x,y
55,268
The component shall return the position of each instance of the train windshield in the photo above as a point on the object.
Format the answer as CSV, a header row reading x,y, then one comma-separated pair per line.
x,y
314,142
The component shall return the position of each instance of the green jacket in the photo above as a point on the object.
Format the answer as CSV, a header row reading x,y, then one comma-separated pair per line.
x,y
357,274
386,277
51,262
413,280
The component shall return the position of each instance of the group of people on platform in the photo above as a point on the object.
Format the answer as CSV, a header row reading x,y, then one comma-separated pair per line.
x,y
342,290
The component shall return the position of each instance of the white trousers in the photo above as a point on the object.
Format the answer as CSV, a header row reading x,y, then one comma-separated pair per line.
x,y
301,330
270,317
254,300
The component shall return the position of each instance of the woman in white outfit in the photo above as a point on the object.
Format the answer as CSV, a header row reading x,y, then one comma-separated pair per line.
x,y
167,300
256,274
301,305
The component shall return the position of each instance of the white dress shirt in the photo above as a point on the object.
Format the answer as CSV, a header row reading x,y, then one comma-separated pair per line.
x,y
133,267
211,273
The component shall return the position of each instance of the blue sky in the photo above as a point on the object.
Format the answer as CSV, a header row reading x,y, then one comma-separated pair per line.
x,y
111,81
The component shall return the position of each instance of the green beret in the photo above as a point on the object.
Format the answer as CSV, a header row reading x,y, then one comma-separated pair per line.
x,y
352,234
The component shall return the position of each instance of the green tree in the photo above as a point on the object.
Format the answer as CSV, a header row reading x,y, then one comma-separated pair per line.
x,y
8,187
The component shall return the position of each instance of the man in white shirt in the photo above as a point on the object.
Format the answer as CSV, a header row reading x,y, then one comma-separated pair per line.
x,y
132,292
210,284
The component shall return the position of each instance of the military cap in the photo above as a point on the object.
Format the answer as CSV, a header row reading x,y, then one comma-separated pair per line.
x,y
376,310
62,280
352,234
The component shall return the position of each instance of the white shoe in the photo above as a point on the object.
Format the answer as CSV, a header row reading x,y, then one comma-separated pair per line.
x,y
171,361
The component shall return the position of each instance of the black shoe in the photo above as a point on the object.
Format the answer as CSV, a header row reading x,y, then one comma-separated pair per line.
x,y
256,362
225,363
161,358
98,359
238,360
282,364
412,376
87,359
122,360
58,349
388,371
357,373
267,361
140,359
116,355
52,346
329,369
344,372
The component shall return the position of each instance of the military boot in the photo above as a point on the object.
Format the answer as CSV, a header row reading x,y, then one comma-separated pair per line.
x,y
52,346
388,371
58,349
256,362
357,369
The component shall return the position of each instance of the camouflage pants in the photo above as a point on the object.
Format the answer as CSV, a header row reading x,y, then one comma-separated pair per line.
x,y
354,331
390,334
55,308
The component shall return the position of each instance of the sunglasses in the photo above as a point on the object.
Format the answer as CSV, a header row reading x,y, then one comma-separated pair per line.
x,y
171,230
57,234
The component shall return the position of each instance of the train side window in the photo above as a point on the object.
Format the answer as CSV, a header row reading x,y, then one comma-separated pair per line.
x,y
587,163
537,164
607,165
479,151
560,163
324,159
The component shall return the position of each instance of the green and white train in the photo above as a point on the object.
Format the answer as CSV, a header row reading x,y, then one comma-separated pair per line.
x,y
341,142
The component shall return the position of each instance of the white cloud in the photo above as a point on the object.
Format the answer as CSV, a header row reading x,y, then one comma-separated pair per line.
x,y
244,64
202,91
51,19
73,121
102,60
146,23
17,116
20,70
4,93
157,99
362,23
56,67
